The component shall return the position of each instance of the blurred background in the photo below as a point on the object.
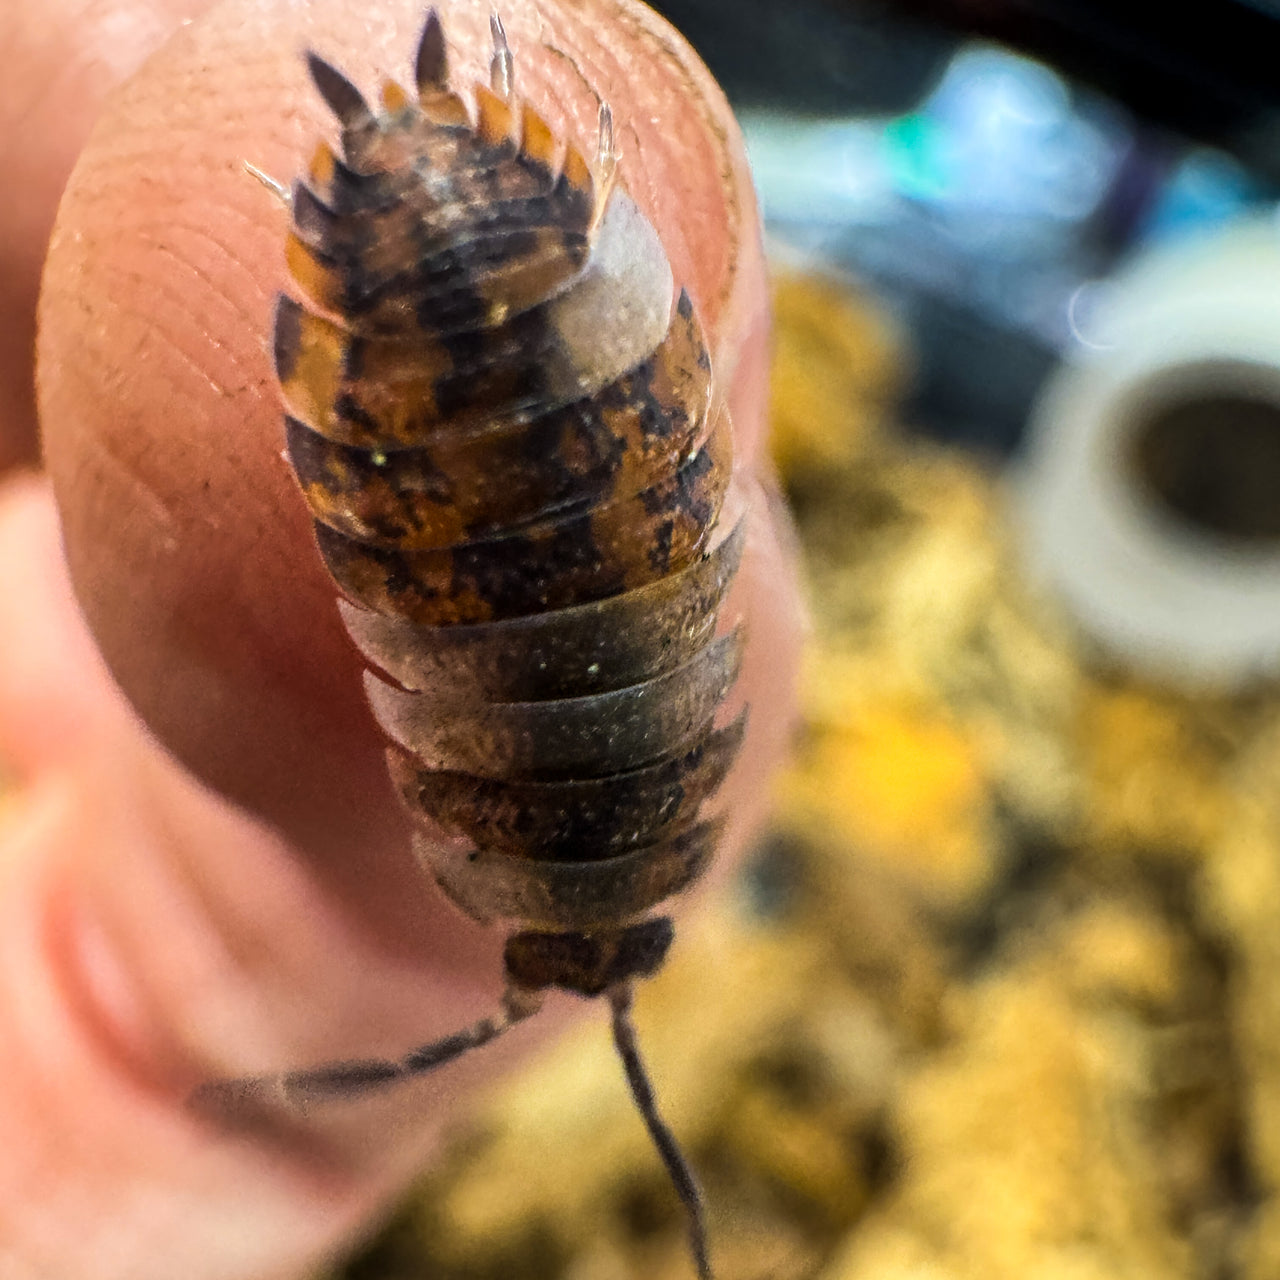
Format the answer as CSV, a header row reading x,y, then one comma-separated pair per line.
x,y
999,994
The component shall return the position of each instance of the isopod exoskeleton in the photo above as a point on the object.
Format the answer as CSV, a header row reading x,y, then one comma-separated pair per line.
x,y
499,410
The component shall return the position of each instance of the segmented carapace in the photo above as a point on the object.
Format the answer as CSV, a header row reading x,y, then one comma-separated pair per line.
x,y
500,414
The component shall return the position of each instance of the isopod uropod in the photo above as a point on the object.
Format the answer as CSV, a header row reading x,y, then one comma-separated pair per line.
x,y
499,410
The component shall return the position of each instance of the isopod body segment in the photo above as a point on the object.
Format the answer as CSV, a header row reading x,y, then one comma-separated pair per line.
x,y
501,414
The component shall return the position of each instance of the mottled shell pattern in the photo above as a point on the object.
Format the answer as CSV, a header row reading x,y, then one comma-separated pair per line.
x,y
500,413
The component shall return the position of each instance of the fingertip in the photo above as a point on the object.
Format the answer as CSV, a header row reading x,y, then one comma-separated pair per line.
x,y
189,546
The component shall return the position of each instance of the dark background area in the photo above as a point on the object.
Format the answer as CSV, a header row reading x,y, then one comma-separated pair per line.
x,y
1170,86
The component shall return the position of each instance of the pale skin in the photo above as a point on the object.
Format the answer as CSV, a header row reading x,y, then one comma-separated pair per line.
x,y
254,906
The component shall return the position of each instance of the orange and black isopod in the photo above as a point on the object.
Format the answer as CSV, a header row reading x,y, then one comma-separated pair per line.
x,y
500,411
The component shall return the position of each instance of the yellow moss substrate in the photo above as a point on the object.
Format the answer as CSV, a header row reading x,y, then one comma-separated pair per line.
x,y
1000,996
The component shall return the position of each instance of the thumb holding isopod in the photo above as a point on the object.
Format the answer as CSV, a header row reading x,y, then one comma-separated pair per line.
x,y
189,938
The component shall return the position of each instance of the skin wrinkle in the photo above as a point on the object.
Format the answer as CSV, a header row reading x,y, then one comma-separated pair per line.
x,y
107,450
233,948
151,330
206,236
582,123
92,972
210,281
208,334
243,957
174,196
142,152
546,43
143,1225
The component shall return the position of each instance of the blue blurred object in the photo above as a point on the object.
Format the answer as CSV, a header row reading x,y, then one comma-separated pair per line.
x,y
985,214
1207,189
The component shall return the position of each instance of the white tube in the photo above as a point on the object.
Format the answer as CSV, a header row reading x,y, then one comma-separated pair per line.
x,y
1186,325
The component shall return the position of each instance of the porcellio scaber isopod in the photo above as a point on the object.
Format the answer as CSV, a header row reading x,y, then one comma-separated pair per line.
x,y
500,412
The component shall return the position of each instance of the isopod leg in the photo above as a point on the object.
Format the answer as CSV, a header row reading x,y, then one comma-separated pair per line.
x,y
624,1037
501,65
606,165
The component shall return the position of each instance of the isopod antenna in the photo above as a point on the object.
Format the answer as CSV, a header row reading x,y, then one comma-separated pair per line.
x,y
686,1185
352,1079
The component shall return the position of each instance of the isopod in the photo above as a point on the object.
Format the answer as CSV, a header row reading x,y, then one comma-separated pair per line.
x,y
500,412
